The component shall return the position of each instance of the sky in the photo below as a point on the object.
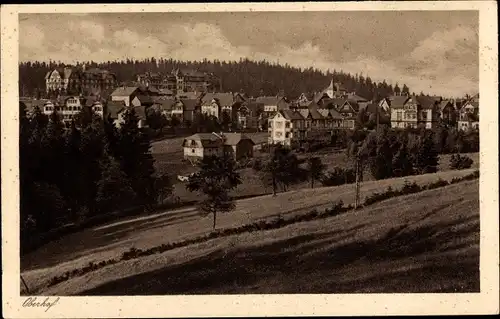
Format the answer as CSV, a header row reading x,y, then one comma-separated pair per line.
x,y
436,52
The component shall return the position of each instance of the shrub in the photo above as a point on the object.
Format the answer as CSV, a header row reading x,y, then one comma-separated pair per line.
x,y
338,176
460,162
437,184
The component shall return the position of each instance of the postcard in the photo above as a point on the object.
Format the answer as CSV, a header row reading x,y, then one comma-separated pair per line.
x,y
249,159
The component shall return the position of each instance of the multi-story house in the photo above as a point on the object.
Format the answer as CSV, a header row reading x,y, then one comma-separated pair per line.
x,y
58,80
286,127
215,103
249,115
468,114
94,81
349,111
185,109
414,111
157,80
191,80
273,104
140,112
448,112
127,94
67,107
48,107
72,80
199,145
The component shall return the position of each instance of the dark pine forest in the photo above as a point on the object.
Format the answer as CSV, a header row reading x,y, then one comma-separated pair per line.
x,y
252,77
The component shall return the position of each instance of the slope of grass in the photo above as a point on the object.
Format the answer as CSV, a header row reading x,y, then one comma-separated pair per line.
x,y
108,241
426,242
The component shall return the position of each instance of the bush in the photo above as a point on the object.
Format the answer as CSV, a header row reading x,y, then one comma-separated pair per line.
x,y
338,176
460,162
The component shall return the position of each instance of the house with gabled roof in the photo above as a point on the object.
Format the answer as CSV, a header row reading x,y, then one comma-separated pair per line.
x,y
126,94
349,111
414,111
447,112
286,127
468,114
185,109
236,145
215,103
273,103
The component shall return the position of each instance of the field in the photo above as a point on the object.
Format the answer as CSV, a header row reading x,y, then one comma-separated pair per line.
x,y
168,155
111,240
430,245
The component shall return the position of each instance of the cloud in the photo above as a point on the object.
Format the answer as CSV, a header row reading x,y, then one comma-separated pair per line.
x,y
31,38
88,30
446,62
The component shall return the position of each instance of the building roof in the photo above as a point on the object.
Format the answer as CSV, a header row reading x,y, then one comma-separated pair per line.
x,y
314,113
444,103
206,139
233,139
190,95
124,90
426,102
113,108
398,101
268,100
190,104
354,105
335,114
145,99
356,98
291,115
254,107
165,104
223,99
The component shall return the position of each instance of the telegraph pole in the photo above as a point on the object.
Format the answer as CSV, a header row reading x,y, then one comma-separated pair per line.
x,y
357,190
25,285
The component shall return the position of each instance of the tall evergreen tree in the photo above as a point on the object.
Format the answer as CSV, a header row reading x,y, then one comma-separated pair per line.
x,y
216,178
134,154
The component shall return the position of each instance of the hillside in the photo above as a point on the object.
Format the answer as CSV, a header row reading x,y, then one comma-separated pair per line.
x,y
111,240
426,242
252,77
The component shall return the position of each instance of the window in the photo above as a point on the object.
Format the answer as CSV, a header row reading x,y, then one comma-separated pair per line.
x,y
399,115
278,134
192,150
424,116
287,124
287,134
279,124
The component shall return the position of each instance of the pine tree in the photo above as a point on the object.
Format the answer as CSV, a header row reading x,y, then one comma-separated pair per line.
x,y
315,169
216,178
426,158
134,155
114,191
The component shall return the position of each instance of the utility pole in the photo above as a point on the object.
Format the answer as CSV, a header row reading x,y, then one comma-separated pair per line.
x,y
25,285
357,190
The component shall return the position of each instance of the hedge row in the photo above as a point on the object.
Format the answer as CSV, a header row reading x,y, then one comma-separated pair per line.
x,y
411,188
275,223
278,222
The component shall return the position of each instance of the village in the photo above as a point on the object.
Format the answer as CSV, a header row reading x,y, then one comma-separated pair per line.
x,y
170,155
184,95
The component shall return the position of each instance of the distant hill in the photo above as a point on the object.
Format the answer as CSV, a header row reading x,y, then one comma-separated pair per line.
x,y
253,77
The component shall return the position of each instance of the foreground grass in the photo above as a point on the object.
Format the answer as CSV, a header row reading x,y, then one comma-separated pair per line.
x,y
425,242
38,278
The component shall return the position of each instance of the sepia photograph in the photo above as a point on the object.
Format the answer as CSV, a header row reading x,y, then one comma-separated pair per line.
x,y
249,152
